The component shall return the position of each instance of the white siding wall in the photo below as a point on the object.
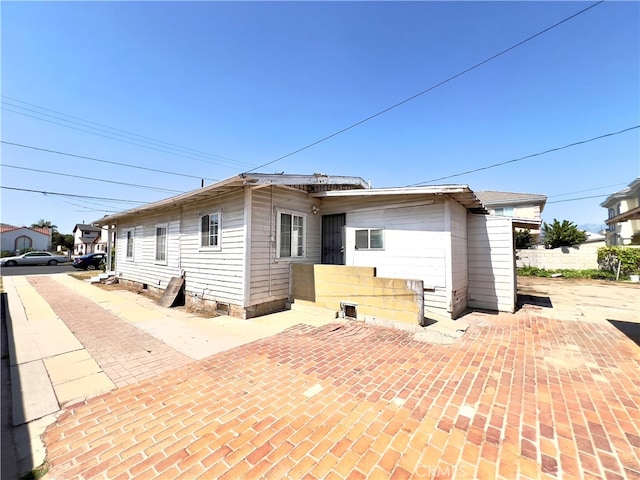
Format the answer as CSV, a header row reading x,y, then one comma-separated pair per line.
x,y
215,274
209,274
459,261
492,283
143,267
269,279
415,246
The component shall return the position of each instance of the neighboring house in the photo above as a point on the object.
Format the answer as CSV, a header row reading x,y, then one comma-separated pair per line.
x,y
596,239
235,243
15,239
623,214
89,239
524,208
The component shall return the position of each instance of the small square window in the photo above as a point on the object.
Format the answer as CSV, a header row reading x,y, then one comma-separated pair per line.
x,y
370,239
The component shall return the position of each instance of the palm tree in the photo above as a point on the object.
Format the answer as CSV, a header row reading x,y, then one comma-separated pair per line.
x,y
562,234
42,223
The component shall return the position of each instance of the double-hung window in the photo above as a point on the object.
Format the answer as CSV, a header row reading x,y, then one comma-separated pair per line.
x,y
129,252
210,230
161,243
291,235
369,239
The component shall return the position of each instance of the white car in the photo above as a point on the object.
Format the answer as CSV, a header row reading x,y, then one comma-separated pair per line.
x,y
33,258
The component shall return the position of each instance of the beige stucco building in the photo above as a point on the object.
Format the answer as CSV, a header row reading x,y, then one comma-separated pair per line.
x,y
623,215
524,208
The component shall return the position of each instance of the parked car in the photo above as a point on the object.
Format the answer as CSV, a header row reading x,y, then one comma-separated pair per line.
x,y
33,258
91,261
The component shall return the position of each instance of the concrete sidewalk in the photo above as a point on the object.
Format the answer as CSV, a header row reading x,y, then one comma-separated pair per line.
x,y
51,366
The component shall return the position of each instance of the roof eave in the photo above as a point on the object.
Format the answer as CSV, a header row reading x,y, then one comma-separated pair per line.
x,y
633,214
461,193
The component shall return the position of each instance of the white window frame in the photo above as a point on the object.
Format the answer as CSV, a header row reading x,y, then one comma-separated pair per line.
x,y
368,230
292,213
218,245
129,235
165,226
501,211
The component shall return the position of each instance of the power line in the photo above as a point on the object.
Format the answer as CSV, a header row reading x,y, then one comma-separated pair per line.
x,y
84,208
71,195
153,140
106,161
526,157
93,179
575,199
587,190
413,97
117,139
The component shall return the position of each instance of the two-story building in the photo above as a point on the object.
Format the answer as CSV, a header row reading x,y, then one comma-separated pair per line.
x,y
89,239
623,215
524,208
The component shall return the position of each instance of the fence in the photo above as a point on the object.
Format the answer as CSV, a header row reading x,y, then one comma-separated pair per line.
x,y
582,257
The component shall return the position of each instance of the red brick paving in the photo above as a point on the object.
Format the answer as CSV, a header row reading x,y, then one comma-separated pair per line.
x,y
517,396
125,353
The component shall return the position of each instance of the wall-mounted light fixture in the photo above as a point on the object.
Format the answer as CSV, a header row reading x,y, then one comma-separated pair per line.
x,y
315,209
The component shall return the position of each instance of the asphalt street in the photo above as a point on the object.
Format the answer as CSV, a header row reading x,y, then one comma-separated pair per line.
x,y
36,270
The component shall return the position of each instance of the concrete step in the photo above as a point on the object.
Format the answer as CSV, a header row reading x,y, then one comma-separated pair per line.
x,y
101,276
310,308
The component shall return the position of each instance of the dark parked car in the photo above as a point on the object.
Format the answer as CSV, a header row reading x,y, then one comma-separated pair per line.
x,y
90,261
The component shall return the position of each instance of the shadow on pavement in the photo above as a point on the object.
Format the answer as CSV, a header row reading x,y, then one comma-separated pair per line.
x,y
630,329
14,446
535,301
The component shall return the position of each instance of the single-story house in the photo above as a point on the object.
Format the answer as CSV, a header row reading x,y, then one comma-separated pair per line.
x,y
250,244
89,239
16,239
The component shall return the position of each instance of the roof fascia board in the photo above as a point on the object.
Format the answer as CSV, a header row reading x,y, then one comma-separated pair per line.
x,y
372,192
633,214
524,201
266,180
526,222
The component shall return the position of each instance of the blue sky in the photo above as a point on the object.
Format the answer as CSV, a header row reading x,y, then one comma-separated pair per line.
x,y
240,84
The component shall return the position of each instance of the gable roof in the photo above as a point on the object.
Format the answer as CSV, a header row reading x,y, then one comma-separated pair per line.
x,y
309,183
493,198
614,198
86,228
9,228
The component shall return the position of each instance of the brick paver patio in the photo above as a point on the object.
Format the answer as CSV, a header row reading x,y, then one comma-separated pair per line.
x,y
518,396
125,353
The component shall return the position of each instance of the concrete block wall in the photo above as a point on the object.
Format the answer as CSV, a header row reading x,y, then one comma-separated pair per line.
x,y
582,257
376,300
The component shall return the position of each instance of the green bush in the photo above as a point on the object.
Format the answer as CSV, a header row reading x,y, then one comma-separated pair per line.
x,y
591,273
627,257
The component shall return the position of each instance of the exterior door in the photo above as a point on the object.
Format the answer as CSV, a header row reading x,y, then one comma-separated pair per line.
x,y
333,239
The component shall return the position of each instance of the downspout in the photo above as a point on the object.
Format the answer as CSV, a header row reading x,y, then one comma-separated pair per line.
x,y
180,241
272,239
109,247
